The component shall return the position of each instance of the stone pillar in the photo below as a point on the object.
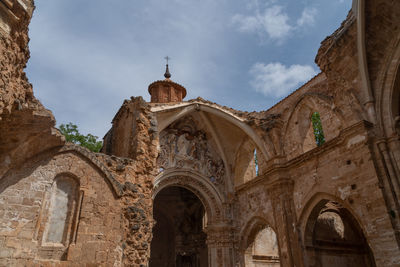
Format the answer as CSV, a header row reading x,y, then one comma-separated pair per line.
x,y
281,194
391,184
393,144
220,243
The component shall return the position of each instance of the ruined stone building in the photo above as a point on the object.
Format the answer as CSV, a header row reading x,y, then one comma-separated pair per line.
x,y
177,183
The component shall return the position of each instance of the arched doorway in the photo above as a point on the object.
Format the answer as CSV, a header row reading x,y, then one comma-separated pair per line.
x,y
334,238
178,236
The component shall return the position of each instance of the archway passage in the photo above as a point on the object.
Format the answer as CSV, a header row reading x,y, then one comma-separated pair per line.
x,y
334,238
178,236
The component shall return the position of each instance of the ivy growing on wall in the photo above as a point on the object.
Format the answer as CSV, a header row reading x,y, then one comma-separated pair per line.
x,y
256,161
318,131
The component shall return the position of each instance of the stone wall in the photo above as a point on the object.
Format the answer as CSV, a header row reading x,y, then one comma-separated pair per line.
x,y
112,217
14,21
135,138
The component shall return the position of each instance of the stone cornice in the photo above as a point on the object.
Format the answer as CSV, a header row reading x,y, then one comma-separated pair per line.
x,y
280,169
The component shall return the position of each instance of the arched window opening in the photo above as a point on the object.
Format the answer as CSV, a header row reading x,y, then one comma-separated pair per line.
x,y
256,162
62,212
263,249
317,127
333,238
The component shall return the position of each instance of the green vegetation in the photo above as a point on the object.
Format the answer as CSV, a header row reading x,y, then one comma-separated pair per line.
x,y
71,133
317,126
256,161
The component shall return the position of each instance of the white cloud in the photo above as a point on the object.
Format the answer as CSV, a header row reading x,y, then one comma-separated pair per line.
x,y
307,17
273,22
277,80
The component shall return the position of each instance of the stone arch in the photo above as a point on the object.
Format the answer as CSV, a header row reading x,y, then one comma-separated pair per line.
x,y
197,184
116,187
332,235
318,200
244,168
85,155
299,122
248,237
223,114
388,98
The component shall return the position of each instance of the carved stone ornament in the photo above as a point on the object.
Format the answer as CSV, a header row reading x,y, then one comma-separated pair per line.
x,y
182,146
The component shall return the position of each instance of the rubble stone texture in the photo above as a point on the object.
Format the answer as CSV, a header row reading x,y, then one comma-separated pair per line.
x,y
298,204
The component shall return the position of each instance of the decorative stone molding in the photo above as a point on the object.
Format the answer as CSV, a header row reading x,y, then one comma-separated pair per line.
x,y
199,185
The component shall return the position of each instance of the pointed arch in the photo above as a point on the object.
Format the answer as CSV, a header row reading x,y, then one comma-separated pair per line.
x,y
86,155
388,93
187,108
258,242
300,122
331,233
318,200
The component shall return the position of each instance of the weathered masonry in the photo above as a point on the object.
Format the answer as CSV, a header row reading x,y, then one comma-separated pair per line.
x,y
312,181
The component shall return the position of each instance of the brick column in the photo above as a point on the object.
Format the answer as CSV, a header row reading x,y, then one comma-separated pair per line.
x,y
281,194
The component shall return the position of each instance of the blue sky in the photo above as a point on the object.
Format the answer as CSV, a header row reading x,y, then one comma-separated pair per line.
x,y
88,56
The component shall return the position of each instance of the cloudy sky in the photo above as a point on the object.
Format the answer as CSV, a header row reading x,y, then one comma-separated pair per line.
x,y
88,56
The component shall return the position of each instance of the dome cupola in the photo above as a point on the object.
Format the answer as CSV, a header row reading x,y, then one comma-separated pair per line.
x,y
166,91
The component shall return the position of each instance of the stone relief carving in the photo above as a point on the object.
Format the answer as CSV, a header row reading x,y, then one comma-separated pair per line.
x,y
183,146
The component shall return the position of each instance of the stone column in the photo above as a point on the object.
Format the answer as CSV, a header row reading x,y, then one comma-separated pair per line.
x,y
281,194
392,185
393,144
220,244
